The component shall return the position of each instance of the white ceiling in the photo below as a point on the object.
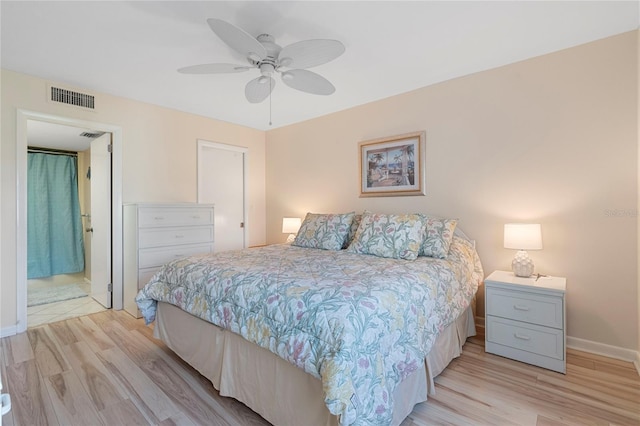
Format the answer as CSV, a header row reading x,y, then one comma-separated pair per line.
x,y
57,136
133,49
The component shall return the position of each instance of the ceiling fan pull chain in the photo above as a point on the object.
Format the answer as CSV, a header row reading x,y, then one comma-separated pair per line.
x,y
270,92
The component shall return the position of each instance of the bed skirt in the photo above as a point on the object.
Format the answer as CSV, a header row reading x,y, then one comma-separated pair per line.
x,y
280,392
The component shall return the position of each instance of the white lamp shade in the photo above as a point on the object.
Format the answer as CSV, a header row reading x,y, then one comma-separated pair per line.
x,y
290,225
523,236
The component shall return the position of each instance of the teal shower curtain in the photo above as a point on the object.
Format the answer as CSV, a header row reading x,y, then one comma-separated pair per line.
x,y
54,224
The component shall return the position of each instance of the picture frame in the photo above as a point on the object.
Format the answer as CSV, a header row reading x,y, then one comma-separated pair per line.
x,y
393,166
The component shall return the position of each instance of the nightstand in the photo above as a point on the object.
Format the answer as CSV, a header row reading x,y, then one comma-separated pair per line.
x,y
525,319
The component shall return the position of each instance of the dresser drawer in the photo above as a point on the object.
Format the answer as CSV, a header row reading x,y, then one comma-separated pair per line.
x,y
172,216
534,308
145,275
538,340
156,237
150,257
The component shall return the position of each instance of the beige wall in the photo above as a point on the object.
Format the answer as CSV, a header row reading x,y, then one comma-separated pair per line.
x,y
551,140
159,159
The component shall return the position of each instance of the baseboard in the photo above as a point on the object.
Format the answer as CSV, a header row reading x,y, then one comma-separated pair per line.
x,y
479,326
605,350
602,349
8,331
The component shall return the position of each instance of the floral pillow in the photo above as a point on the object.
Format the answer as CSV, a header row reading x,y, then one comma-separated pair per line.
x,y
324,231
438,237
397,236
352,231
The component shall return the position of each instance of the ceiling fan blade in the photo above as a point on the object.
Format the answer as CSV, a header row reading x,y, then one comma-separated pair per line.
x,y
310,53
237,38
213,69
307,81
258,89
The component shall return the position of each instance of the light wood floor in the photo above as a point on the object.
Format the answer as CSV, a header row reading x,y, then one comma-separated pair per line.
x,y
106,368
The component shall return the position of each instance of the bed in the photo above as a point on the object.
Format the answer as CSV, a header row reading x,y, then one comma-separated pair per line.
x,y
315,334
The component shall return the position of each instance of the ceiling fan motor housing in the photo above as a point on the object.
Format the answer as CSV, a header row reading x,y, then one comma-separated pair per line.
x,y
267,68
268,41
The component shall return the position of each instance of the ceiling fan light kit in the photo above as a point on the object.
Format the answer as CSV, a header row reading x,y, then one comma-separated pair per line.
x,y
269,58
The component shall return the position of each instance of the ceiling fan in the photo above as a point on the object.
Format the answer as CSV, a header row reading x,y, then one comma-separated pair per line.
x,y
264,54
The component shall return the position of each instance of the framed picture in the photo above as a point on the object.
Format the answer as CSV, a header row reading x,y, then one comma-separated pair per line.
x,y
393,166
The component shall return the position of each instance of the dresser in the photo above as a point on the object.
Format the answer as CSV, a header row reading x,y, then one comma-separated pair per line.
x,y
525,319
155,234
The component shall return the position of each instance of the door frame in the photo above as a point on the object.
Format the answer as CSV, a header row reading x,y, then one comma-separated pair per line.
x,y
22,116
99,157
245,161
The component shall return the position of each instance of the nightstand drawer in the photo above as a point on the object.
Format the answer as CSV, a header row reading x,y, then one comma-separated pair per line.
x,y
524,306
543,341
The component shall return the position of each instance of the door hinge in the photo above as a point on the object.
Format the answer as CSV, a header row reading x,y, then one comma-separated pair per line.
x,y
110,148
241,224
110,287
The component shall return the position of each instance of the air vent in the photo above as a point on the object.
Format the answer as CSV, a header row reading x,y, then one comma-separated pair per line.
x,y
91,135
70,97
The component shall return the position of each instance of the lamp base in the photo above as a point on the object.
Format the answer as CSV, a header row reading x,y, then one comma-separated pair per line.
x,y
291,238
522,264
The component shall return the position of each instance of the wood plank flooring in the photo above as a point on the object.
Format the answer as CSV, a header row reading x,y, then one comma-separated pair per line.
x,y
107,369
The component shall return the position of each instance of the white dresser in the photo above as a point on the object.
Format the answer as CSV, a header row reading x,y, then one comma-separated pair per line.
x,y
155,234
5,403
525,319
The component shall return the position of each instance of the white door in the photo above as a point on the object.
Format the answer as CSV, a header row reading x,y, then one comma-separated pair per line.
x,y
221,182
101,220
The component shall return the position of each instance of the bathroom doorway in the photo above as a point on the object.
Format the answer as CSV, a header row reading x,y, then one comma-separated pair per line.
x,y
68,248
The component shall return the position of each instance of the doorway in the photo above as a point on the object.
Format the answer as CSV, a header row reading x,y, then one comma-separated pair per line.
x,y
221,182
115,201
68,247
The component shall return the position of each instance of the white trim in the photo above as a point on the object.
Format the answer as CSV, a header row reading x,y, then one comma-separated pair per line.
x,y
201,143
220,145
479,322
21,205
8,331
597,348
21,221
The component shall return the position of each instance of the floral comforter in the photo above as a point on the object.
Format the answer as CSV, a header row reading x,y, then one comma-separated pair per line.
x,y
358,323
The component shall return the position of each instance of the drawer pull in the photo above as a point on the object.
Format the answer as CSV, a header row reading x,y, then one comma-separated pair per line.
x,y
520,308
179,236
521,336
5,404
158,218
195,217
178,255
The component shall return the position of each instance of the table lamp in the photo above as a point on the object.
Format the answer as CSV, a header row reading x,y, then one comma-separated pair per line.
x,y
290,225
522,237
